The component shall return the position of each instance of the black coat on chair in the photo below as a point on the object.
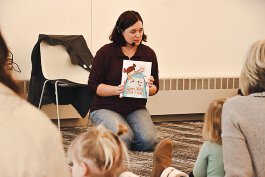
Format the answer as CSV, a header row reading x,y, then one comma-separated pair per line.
x,y
79,96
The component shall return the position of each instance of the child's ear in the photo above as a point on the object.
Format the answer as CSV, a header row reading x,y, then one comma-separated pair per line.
x,y
85,169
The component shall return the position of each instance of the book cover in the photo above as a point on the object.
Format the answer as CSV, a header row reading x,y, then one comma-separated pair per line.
x,y
134,76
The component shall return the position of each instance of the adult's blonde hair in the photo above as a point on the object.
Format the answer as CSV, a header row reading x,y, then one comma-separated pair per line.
x,y
252,79
212,122
105,149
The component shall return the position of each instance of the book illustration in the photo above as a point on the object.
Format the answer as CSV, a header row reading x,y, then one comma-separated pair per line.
x,y
134,77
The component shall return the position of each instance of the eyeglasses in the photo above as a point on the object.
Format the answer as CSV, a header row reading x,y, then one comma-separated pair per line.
x,y
11,64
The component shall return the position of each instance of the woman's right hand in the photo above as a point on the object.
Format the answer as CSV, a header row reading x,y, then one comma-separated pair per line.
x,y
120,89
109,90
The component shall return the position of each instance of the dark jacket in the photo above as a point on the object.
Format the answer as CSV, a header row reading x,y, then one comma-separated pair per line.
x,y
79,97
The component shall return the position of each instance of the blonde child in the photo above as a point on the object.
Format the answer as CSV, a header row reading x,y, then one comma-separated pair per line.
x,y
210,158
99,152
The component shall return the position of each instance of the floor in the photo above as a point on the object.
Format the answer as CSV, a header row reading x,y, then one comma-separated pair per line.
x,y
183,130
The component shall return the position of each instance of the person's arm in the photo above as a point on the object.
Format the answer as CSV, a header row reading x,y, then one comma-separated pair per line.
x,y
200,166
108,90
152,90
154,72
97,77
237,160
57,164
51,155
152,87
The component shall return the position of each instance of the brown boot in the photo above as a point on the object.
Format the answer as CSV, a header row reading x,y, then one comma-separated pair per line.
x,y
162,157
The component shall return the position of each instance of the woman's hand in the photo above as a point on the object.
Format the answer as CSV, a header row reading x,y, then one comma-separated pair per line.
x,y
120,89
150,81
152,87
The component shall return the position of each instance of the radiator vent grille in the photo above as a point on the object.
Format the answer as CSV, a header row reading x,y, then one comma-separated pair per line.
x,y
182,84
198,83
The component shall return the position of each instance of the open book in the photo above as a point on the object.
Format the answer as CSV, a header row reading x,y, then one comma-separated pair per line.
x,y
134,76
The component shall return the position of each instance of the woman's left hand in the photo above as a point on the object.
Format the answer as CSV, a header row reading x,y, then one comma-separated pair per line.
x,y
150,81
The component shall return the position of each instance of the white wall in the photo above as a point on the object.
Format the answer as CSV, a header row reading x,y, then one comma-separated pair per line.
x,y
200,38
192,38
22,21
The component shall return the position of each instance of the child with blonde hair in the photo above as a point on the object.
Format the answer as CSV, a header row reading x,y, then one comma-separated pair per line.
x,y
99,152
210,158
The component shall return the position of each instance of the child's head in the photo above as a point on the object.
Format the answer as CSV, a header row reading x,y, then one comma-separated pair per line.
x,y
98,152
212,122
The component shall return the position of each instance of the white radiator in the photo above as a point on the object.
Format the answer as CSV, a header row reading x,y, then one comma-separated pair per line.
x,y
189,95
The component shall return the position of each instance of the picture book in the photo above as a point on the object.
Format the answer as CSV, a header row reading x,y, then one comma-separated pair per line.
x,y
134,76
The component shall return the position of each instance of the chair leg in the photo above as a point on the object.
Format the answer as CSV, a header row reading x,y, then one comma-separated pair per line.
x,y
57,105
42,92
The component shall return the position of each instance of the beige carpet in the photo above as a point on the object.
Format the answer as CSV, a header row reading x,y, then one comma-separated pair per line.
x,y
186,138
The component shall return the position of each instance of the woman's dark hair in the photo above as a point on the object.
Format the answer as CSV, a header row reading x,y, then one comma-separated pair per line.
x,y
5,74
125,20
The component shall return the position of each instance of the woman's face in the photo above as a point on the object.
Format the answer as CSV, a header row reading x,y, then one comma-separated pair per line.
x,y
134,33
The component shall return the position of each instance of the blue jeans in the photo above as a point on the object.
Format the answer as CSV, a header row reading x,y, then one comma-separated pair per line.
x,y
141,134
